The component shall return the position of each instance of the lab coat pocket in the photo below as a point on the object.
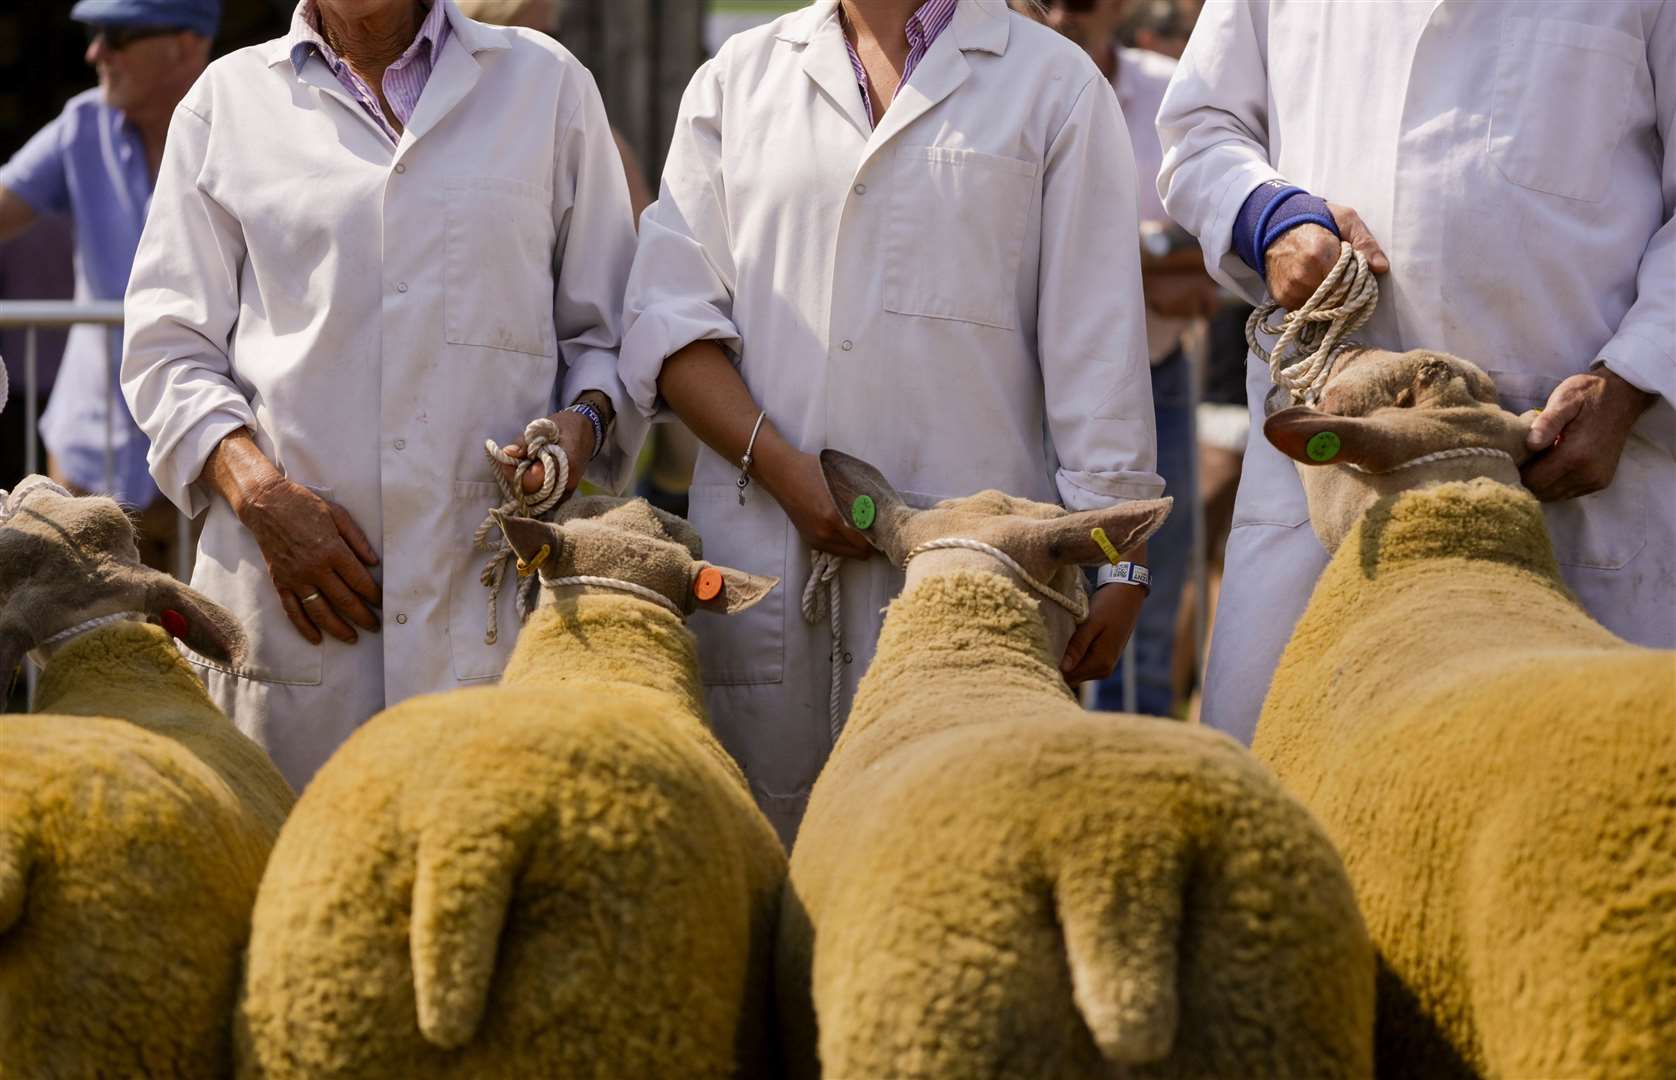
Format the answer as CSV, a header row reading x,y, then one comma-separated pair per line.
x,y
1603,531
748,648
232,571
498,265
957,221
468,600
1564,96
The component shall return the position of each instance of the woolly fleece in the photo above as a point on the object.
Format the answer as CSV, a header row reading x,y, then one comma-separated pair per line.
x,y
562,876
992,882
130,852
1500,773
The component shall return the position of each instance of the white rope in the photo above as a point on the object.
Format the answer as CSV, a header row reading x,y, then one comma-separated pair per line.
x,y
829,601
1077,607
621,586
1309,339
45,649
541,446
1440,455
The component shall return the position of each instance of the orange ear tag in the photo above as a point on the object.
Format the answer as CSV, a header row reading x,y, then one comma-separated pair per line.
x,y
708,585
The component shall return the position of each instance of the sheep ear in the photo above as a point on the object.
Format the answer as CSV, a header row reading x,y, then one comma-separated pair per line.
x,y
865,499
1075,539
737,589
528,536
198,622
15,644
1312,437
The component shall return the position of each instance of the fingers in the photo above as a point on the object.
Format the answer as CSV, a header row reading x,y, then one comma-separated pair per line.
x,y
1569,471
1076,650
1562,408
1355,231
320,610
294,611
346,605
353,536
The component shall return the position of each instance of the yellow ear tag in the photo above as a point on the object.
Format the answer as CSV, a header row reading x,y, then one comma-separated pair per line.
x,y
1113,555
525,569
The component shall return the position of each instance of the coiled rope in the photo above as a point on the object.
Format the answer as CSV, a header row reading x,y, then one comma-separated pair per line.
x,y
823,595
1309,339
541,446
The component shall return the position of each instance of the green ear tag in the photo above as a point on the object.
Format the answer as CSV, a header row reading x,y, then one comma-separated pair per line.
x,y
1322,446
862,512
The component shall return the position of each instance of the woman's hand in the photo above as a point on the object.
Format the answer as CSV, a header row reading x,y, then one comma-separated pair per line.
x,y
576,439
317,558
1098,644
796,482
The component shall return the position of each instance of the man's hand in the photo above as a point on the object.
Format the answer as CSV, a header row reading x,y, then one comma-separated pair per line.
x,y
1096,647
1182,294
576,439
1298,262
1579,436
315,551
799,486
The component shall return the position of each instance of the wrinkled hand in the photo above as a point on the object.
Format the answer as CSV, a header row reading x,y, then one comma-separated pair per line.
x,y
1181,294
1301,259
312,545
1579,436
576,439
1097,645
799,487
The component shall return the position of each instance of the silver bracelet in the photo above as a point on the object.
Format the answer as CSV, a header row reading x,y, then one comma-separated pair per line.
x,y
744,480
1123,573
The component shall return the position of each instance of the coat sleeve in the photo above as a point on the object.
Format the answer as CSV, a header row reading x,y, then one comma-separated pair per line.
x,y
1091,325
1214,127
1643,351
181,306
681,288
591,258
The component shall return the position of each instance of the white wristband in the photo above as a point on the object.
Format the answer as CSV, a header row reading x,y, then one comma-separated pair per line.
x,y
1123,573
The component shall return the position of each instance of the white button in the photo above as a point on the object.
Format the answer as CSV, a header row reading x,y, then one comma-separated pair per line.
x,y
401,286
401,619
401,168
401,444
861,189
847,345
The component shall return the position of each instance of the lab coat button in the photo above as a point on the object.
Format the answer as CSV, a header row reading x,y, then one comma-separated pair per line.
x,y
401,286
401,619
401,168
861,189
847,345
401,444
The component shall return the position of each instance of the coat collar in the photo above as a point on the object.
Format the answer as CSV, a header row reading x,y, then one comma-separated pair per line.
x,y
475,36
980,25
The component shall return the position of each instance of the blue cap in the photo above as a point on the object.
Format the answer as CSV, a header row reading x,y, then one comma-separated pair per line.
x,y
201,16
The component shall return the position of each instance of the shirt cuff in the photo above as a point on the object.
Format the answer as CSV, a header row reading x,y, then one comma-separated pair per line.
x,y
178,465
1646,365
658,333
1098,490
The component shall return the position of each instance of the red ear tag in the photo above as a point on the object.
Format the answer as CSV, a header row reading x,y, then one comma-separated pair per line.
x,y
709,584
173,622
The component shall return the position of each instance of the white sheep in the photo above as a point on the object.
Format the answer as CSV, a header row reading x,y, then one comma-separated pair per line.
x,y
134,818
992,882
563,875
1497,768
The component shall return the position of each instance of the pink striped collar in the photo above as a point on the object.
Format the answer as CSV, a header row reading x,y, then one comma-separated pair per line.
x,y
925,25
404,80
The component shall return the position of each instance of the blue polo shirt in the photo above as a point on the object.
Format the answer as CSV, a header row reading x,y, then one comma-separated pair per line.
x,y
91,164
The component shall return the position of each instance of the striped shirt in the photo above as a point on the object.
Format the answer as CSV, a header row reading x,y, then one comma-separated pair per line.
x,y
932,18
404,80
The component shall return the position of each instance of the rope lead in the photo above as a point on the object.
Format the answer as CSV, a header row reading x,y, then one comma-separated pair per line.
x,y
541,446
1309,339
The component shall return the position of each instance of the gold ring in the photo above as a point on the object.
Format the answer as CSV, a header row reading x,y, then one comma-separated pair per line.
x,y
315,595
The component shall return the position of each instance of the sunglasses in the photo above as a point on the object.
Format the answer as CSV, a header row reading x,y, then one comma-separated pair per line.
x,y
118,38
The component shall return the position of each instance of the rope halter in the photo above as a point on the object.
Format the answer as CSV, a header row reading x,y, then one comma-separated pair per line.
x,y
1436,456
1309,339
1078,607
619,585
541,446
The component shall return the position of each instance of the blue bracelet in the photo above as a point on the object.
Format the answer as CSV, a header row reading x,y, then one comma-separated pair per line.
x,y
594,419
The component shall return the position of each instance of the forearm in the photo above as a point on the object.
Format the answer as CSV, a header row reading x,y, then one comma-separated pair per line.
x,y
237,470
707,392
16,214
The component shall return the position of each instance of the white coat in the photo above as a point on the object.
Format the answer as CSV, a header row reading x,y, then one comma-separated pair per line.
x,y
1517,162
373,312
954,296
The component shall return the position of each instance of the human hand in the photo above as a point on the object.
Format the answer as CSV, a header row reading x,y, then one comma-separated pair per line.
x,y
315,551
1579,435
1098,644
797,483
1298,262
576,439
1182,294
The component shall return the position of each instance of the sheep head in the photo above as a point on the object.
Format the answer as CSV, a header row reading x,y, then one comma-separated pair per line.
x,y
1049,542
631,540
1382,416
64,560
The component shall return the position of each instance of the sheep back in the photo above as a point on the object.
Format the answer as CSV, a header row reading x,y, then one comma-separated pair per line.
x,y
500,883
127,873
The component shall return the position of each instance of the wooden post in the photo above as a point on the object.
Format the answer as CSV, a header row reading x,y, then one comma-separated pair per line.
x,y
642,53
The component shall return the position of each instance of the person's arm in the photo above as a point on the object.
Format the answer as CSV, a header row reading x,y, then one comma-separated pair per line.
x,y
182,303
33,182
1096,380
16,214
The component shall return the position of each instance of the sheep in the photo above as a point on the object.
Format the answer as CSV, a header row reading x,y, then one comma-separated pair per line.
x,y
134,818
1497,768
991,882
563,875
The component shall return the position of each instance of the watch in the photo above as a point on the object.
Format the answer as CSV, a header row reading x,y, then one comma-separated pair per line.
x,y
1123,573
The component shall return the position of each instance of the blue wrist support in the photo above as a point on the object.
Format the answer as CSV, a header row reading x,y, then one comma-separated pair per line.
x,y
1269,212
